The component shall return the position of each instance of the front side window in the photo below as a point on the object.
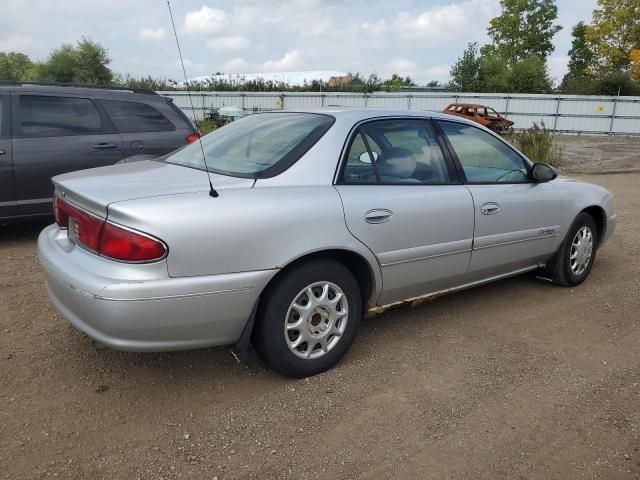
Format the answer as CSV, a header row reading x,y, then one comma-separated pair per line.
x,y
403,151
133,117
484,158
48,116
257,146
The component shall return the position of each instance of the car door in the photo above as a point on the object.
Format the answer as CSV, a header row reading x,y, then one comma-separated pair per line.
x,y
8,205
54,134
144,129
516,220
403,200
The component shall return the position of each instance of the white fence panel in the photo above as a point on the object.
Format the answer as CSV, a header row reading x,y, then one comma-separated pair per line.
x,y
563,113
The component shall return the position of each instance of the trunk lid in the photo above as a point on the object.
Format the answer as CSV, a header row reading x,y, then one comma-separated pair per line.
x,y
96,188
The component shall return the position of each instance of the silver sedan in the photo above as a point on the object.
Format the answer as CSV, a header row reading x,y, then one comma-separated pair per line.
x,y
286,228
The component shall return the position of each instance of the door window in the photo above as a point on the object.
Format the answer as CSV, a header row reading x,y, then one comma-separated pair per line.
x,y
48,116
132,117
484,158
396,152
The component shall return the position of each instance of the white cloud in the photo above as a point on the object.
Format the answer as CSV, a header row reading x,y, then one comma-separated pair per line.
x,y
402,66
16,43
232,42
376,27
235,65
205,20
290,61
152,34
448,21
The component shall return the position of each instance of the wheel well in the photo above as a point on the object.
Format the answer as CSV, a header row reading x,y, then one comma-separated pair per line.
x,y
598,216
356,264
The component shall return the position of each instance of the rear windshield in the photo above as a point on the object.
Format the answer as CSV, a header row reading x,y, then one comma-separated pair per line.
x,y
258,146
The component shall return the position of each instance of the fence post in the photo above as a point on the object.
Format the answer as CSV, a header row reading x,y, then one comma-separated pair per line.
x,y
613,114
282,101
243,95
555,118
506,107
366,99
409,102
322,99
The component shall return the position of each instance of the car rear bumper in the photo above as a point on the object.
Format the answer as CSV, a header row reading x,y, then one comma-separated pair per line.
x,y
153,314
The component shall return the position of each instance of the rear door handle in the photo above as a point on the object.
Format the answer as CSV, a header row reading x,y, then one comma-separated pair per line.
x,y
105,146
490,208
378,215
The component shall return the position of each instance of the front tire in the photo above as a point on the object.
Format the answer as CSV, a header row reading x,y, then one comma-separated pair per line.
x,y
572,263
308,318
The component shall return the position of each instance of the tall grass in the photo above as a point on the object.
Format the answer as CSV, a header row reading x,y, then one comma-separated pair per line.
x,y
539,144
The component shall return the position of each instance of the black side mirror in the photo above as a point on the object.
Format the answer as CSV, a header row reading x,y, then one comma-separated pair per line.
x,y
541,172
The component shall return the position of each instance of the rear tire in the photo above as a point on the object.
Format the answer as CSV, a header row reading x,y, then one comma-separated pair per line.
x,y
572,263
308,318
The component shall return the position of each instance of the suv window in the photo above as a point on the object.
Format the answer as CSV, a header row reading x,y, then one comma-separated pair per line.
x,y
403,151
484,158
2,133
132,117
48,116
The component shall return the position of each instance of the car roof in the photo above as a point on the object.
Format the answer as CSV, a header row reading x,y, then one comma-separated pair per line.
x,y
358,114
74,89
476,105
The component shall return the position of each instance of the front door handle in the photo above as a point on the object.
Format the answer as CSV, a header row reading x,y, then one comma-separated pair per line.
x,y
2,152
490,208
378,215
105,146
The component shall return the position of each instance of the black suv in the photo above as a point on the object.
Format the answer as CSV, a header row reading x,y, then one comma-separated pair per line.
x,y
49,129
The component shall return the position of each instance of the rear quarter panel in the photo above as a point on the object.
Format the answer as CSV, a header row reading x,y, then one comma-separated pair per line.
x,y
244,229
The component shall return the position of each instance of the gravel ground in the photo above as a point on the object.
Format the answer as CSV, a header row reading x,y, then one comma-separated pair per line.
x,y
519,379
588,154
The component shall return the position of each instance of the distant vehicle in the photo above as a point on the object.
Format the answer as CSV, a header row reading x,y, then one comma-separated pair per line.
x,y
485,116
312,219
49,129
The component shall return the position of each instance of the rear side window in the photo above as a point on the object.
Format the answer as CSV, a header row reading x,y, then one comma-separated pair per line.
x,y
132,117
47,116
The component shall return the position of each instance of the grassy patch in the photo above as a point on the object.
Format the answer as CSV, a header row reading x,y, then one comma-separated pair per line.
x,y
539,144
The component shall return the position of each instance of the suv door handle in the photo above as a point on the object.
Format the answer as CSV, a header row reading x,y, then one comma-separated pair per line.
x,y
105,146
490,208
378,215
2,152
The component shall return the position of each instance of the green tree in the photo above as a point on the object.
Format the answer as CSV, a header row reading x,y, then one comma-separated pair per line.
x,y
615,33
581,55
465,73
92,63
86,62
14,66
525,28
396,82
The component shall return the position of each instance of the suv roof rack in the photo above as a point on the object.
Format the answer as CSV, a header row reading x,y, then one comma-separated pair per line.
x,y
75,85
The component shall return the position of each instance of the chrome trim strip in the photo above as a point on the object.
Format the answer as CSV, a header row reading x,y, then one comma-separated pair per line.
x,y
516,241
181,295
424,258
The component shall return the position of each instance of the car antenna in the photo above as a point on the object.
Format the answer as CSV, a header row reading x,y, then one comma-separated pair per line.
x,y
212,191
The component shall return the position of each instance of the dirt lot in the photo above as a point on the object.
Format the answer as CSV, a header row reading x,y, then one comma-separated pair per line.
x,y
519,380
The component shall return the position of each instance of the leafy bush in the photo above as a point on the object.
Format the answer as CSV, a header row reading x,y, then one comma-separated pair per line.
x,y
539,144
207,125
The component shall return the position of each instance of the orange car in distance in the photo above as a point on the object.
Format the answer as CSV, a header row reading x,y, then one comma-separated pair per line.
x,y
481,114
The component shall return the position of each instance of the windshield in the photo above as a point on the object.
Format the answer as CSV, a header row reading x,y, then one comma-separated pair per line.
x,y
258,146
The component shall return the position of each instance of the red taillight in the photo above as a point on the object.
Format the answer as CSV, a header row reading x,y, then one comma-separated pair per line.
x,y
126,245
193,137
106,239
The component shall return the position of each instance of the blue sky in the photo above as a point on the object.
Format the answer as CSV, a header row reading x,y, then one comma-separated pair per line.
x,y
417,38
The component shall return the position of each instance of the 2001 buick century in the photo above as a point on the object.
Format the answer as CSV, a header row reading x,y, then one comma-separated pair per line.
x,y
311,220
